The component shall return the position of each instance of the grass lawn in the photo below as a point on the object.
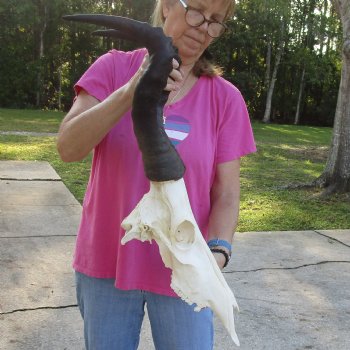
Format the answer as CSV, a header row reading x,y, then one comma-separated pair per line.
x,y
286,154
29,120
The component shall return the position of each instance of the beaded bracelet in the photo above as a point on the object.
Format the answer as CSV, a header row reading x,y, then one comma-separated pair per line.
x,y
218,250
216,242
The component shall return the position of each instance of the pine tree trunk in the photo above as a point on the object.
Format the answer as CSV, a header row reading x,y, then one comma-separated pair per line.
x,y
336,176
268,65
60,88
301,90
267,114
41,52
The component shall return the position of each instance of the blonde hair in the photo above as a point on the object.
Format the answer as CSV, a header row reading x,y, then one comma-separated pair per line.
x,y
203,66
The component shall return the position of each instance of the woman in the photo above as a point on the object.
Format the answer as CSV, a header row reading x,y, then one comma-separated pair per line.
x,y
207,121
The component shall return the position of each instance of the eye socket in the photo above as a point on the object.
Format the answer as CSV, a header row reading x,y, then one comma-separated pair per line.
x,y
184,234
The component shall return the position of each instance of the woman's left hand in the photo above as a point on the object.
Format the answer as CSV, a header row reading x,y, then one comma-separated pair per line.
x,y
175,77
220,259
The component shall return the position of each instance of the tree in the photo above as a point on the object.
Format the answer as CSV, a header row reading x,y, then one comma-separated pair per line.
x,y
278,17
271,82
42,56
42,11
336,175
309,44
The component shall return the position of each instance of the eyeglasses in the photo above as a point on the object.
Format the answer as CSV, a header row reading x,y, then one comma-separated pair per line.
x,y
194,18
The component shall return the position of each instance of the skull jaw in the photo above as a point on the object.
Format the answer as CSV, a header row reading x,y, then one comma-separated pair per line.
x,y
164,214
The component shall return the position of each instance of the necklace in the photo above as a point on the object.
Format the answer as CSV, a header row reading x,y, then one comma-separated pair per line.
x,y
176,95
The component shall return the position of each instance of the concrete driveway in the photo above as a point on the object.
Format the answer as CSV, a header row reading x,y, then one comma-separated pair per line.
x,y
293,288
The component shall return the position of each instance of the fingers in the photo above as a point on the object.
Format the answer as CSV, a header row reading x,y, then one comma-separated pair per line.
x,y
175,78
220,260
174,81
145,63
176,64
131,85
143,67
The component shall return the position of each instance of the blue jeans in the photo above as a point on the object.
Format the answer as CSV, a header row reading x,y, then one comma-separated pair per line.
x,y
113,318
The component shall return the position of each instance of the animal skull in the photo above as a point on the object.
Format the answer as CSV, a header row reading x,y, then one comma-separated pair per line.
x,y
165,215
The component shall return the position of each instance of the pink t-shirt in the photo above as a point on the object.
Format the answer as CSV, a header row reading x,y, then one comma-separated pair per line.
x,y
210,125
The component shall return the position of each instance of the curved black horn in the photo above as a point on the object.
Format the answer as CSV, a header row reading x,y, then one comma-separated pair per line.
x,y
151,37
160,158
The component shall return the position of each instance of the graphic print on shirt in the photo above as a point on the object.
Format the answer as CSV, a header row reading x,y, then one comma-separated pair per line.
x,y
177,128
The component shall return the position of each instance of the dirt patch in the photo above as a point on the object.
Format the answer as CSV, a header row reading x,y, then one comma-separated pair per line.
x,y
312,153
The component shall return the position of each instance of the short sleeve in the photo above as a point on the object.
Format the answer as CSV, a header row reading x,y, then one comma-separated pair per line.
x,y
235,134
109,72
99,79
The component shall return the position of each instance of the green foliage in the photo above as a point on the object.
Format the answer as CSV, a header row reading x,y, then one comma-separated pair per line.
x,y
31,78
42,56
312,41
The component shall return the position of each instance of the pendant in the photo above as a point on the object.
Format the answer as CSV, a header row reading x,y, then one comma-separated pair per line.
x,y
164,119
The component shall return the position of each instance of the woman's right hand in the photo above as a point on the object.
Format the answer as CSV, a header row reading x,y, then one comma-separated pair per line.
x,y
175,77
136,77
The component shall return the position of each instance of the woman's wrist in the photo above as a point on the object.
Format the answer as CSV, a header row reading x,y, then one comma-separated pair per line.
x,y
222,243
220,247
